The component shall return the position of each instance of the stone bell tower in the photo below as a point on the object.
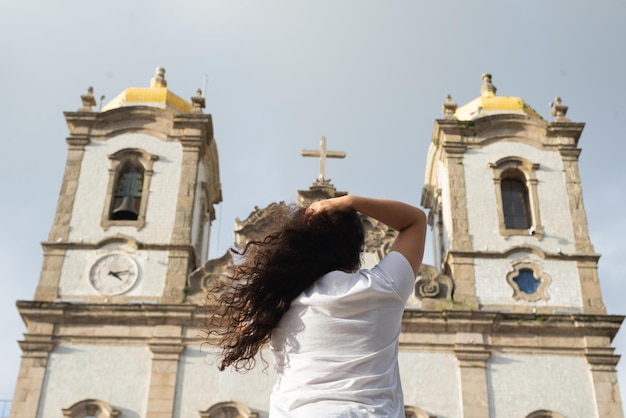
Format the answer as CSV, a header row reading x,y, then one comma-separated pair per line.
x,y
505,200
140,183
105,328
509,228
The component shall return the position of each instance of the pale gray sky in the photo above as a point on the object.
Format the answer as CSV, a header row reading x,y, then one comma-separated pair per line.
x,y
369,75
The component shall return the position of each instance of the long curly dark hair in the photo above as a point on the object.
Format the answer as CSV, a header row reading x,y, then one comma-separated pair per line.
x,y
273,272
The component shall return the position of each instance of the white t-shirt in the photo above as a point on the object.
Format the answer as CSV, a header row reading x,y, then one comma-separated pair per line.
x,y
336,348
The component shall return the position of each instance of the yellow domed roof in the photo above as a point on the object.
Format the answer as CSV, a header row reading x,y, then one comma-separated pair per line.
x,y
490,104
157,95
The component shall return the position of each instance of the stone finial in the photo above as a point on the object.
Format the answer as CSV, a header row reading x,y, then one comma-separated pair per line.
x,y
197,102
88,101
159,78
449,107
559,110
487,89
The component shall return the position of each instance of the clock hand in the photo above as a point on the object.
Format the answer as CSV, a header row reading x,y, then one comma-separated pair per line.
x,y
114,274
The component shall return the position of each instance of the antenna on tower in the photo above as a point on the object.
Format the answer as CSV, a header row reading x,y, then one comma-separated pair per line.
x,y
204,81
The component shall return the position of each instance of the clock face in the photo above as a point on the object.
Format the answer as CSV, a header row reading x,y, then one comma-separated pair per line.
x,y
114,274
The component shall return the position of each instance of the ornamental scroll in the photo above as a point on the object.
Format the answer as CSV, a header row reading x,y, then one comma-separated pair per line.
x,y
430,284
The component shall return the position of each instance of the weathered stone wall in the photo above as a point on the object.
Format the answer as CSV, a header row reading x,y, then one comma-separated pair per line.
x,y
520,384
89,371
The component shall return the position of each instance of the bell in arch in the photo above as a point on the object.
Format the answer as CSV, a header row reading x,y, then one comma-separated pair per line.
x,y
126,210
127,196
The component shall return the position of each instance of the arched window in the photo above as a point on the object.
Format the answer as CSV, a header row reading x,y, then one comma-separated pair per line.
x,y
544,414
516,197
91,408
515,202
228,410
529,281
127,193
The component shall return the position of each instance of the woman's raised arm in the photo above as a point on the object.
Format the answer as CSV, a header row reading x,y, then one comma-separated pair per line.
x,y
409,221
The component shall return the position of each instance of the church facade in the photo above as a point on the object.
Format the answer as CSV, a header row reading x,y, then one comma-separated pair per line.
x,y
509,322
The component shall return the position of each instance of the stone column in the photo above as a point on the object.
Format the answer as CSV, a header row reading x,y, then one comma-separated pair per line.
x,y
178,268
186,191
180,262
473,367
462,265
459,257
575,194
191,132
460,240
75,153
60,231
53,258
35,351
590,286
602,363
165,357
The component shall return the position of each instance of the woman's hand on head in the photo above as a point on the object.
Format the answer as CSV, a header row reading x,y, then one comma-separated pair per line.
x,y
336,203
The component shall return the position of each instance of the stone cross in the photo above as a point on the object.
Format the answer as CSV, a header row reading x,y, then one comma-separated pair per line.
x,y
322,154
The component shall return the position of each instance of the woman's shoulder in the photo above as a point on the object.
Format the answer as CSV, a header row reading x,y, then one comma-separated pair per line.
x,y
396,270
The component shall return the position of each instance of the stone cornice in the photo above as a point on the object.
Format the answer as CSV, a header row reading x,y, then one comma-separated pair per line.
x,y
495,323
115,314
440,320
566,129
602,358
472,355
80,124
570,152
192,130
454,134
593,257
77,142
494,332
100,126
166,349
51,246
471,127
36,348
454,149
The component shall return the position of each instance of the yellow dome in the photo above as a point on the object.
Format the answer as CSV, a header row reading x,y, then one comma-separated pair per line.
x,y
157,95
490,104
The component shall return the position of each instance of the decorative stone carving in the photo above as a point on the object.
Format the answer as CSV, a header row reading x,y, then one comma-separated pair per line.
x,y
487,89
209,278
449,107
197,102
378,237
319,190
559,110
159,78
88,101
260,223
431,284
